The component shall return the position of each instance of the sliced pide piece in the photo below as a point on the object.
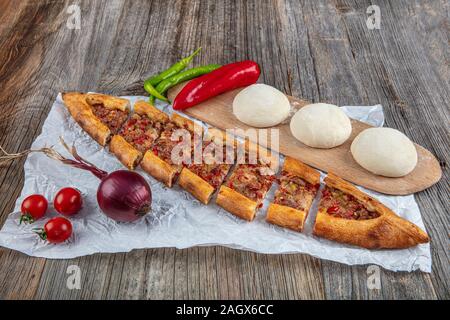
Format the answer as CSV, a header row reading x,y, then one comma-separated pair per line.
x,y
298,186
203,179
99,115
350,216
138,134
158,161
244,191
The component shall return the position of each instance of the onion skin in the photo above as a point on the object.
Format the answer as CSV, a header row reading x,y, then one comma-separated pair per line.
x,y
124,196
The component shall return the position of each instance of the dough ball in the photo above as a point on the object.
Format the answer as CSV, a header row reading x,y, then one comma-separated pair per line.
x,y
260,105
321,125
384,151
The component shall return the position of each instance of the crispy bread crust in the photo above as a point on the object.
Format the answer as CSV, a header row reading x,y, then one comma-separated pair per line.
x,y
195,185
109,102
125,152
159,169
286,217
144,108
236,203
387,231
81,112
302,170
182,122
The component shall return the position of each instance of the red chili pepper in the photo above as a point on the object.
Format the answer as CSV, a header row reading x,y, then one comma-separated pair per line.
x,y
226,78
333,209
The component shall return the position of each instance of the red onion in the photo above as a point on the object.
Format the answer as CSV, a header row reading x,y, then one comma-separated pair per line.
x,y
122,195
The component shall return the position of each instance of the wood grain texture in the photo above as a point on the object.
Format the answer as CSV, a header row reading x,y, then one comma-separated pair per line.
x,y
218,112
316,50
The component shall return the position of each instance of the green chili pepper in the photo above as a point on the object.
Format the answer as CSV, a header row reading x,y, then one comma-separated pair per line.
x,y
153,92
186,75
173,70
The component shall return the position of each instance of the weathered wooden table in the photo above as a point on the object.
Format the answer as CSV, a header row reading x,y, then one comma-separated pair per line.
x,y
319,50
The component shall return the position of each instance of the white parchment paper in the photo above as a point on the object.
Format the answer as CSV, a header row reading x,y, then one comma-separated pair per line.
x,y
177,219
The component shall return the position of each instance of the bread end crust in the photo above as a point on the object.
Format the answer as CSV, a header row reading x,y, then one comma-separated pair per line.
x,y
236,203
384,232
195,185
183,122
108,101
144,108
159,169
125,152
286,217
302,170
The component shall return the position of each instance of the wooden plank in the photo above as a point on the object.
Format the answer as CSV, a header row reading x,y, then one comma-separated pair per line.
x,y
155,285
20,275
208,280
218,112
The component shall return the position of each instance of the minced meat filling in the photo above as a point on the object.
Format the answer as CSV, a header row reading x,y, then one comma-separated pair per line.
x,y
213,168
141,132
169,129
295,192
164,145
112,118
163,149
342,205
214,174
251,181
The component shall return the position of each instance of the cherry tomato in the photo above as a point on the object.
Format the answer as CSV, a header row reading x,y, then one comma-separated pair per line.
x,y
33,208
56,230
68,201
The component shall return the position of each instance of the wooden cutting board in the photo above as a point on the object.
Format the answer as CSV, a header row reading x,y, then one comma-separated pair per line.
x,y
217,112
